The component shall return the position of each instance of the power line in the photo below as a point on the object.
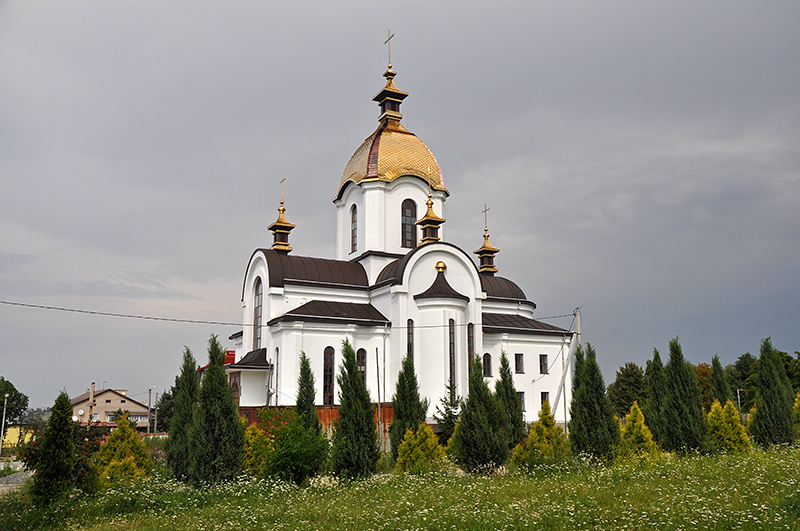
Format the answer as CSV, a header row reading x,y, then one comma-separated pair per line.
x,y
216,323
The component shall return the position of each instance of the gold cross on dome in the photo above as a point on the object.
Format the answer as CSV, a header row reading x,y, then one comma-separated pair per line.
x,y
485,216
283,180
389,42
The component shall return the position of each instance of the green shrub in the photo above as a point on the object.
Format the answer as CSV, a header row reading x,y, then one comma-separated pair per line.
x,y
298,451
726,433
546,443
257,449
797,416
419,452
56,460
124,455
635,437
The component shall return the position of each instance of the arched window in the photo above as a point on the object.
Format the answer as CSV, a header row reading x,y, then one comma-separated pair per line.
x,y
410,339
408,224
361,361
327,377
353,229
452,341
258,308
470,346
487,365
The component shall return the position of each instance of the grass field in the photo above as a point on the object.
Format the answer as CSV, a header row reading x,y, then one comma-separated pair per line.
x,y
759,490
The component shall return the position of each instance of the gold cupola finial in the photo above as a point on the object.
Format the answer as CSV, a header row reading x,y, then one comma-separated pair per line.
x,y
487,251
281,228
390,97
430,223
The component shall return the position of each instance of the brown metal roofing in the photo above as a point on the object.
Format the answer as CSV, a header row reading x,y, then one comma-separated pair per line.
x,y
500,322
501,288
255,359
99,392
339,312
441,289
393,272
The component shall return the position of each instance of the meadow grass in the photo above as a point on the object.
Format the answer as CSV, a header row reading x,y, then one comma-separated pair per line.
x,y
757,490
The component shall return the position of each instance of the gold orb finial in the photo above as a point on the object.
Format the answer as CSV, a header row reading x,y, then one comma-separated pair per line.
x,y
440,266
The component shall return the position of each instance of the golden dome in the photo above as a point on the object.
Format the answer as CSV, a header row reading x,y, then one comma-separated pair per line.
x,y
392,151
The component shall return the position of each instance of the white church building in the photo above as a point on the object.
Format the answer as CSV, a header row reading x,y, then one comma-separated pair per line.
x,y
396,288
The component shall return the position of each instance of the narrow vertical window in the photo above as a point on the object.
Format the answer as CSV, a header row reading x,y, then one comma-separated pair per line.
x,y
452,341
353,229
361,361
258,300
543,364
519,363
327,377
408,224
545,397
487,365
410,339
521,398
470,346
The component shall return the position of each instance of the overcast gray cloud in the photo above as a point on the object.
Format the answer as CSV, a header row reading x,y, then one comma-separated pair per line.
x,y
640,161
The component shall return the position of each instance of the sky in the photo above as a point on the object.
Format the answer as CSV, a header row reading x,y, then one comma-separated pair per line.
x,y
641,161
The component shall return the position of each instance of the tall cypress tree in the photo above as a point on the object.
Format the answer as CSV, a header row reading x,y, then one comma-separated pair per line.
x,y
685,423
447,413
772,423
720,388
54,467
592,427
355,438
506,394
629,387
580,361
185,403
656,402
481,438
408,410
306,396
216,435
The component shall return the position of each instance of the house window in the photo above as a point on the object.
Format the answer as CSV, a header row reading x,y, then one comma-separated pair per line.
x,y
543,364
361,361
452,342
471,340
545,397
95,417
519,363
122,401
487,365
327,377
521,398
353,229
108,401
410,339
408,224
258,300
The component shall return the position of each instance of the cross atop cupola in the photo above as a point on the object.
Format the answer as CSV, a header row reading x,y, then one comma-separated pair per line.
x,y
390,97
487,251
281,228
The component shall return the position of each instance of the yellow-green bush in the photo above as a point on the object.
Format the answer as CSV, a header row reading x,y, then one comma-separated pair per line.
x,y
546,443
419,452
635,437
726,432
123,456
797,415
257,450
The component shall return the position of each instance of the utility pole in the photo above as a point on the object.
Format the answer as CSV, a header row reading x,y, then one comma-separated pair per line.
x,y
148,410
155,421
3,425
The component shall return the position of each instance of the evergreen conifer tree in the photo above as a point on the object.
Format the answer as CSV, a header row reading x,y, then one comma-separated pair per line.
x,y
306,396
720,389
480,439
580,360
685,422
216,435
635,436
592,426
726,433
123,456
408,410
655,403
774,400
546,443
54,467
506,394
797,416
355,439
419,452
447,413
629,387
185,404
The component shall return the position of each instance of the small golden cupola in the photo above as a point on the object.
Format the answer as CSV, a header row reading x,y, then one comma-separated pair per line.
x,y
281,228
430,224
487,251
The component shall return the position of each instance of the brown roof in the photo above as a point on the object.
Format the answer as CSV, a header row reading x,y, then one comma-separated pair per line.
x,y
339,312
501,322
441,289
85,396
393,272
285,268
255,359
501,288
